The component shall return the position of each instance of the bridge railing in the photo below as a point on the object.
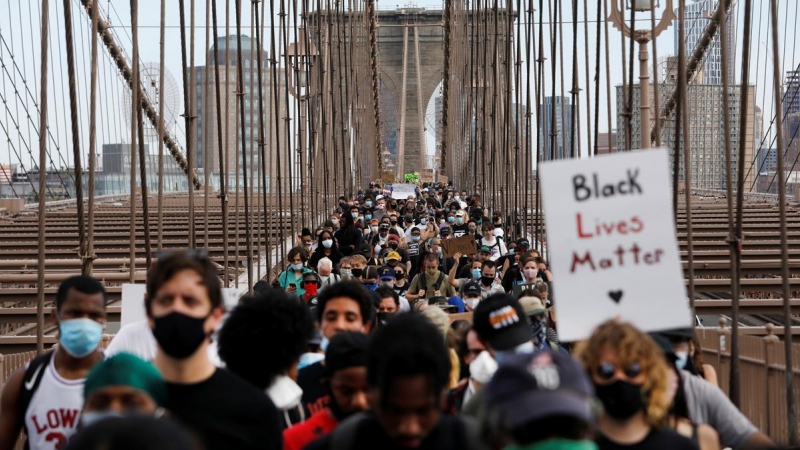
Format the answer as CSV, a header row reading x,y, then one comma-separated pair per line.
x,y
762,370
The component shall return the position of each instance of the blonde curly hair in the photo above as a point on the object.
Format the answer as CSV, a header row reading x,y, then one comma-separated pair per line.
x,y
631,346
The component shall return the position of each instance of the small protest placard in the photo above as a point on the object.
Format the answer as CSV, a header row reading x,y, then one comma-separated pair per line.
x,y
611,241
401,191
442,179
464,245
387,177
426,176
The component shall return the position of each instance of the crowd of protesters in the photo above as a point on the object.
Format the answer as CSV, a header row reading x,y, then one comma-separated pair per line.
x,y
373,337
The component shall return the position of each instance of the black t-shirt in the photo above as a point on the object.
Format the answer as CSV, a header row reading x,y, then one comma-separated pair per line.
x,y
460,230
658,439
315,392
226,412
451,433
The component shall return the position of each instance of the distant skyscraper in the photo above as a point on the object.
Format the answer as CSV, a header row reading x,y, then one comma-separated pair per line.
x,y
560,129
698,15
607,143
206,110
791,120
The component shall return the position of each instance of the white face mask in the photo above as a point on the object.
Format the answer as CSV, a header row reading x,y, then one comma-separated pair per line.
x,y
472,303
482,368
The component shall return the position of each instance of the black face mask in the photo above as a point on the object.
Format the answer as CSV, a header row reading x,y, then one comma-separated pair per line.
x,y
393,222
542,274
399,276
393,246
357,272
384,318
179,335
487,281
621,400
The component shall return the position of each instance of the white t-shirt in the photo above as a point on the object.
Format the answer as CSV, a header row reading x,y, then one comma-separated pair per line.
x,y
137,339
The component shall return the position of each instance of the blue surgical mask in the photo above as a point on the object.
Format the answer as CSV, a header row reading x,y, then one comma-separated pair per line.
x,y
415,238
307,359
451,219
368,204
476,273
511,252
297,267
327,243
680,363
80,337
323,344
368,216
354,215
371,286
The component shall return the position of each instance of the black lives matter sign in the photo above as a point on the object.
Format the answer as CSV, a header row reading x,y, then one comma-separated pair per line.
x,y
611,242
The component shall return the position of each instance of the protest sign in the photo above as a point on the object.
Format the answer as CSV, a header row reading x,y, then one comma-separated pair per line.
x,y
402,191
612,245
426,176
464,245
387,177
461,316
442,179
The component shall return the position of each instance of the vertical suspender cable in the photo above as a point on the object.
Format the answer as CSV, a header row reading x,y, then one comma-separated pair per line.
x,y
135,85
223,161
76,137
187,119
656,91
262,155
787,318
687,160
88,256
733,243
161,70
42,185
240,94
206,130
191,135
144,188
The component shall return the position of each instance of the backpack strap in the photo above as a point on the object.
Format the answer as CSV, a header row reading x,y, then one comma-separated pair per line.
x,y
33,377
438,284
344,437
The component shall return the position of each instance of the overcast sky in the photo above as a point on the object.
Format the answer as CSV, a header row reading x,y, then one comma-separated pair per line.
x,y
20,32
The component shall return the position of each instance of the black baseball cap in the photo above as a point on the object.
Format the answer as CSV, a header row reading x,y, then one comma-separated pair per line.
x,y
500,321
531,387
346,349
523,243
472,289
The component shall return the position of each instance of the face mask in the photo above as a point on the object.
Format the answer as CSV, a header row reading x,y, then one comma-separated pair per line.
x,y
459,221
393,245
371,286
388,283
511,252
323,344
335,223
472,229
415,238
539,332
530,274
307,359
179,335
680,363
621,400
482,368
368,204
346,273
431,272
399,275
373,229
542,274
439,252
451,219
89,418
393,222
368,216
423,221
80,337
476,273
297,267
327,243
472,302
354,215
357,272
487,281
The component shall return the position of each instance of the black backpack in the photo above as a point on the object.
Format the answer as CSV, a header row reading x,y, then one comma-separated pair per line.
x,y
30,383
437,285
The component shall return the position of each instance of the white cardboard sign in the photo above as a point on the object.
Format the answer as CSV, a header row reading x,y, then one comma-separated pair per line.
x,y
612,245
133,301
402,191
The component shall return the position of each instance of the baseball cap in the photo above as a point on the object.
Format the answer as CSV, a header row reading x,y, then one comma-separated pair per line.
x,y
125,369
441,302
484,249
500,321
532,305
523,243
472,289
378,197
530,387
408,218
393,256
386,273
460,213
346,349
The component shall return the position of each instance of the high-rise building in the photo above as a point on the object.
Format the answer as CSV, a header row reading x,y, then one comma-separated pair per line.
x,y
561,129
791,119
698,14
206,111
706,141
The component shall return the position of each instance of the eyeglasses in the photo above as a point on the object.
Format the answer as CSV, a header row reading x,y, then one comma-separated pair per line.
x,y
606,370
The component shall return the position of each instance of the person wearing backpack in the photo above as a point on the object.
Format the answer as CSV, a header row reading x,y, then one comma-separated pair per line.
x,y
430,283
45,398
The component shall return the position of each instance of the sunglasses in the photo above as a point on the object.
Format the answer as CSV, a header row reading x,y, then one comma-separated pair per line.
x,y
606,370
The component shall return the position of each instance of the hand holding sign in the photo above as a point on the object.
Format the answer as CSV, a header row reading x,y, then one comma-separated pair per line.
x,y
612,243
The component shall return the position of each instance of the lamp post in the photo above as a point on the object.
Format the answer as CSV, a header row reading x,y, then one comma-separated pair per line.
x,y
643,37
301,57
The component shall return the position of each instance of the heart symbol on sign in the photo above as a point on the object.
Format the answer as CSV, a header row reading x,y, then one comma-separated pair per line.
x,y
615,295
